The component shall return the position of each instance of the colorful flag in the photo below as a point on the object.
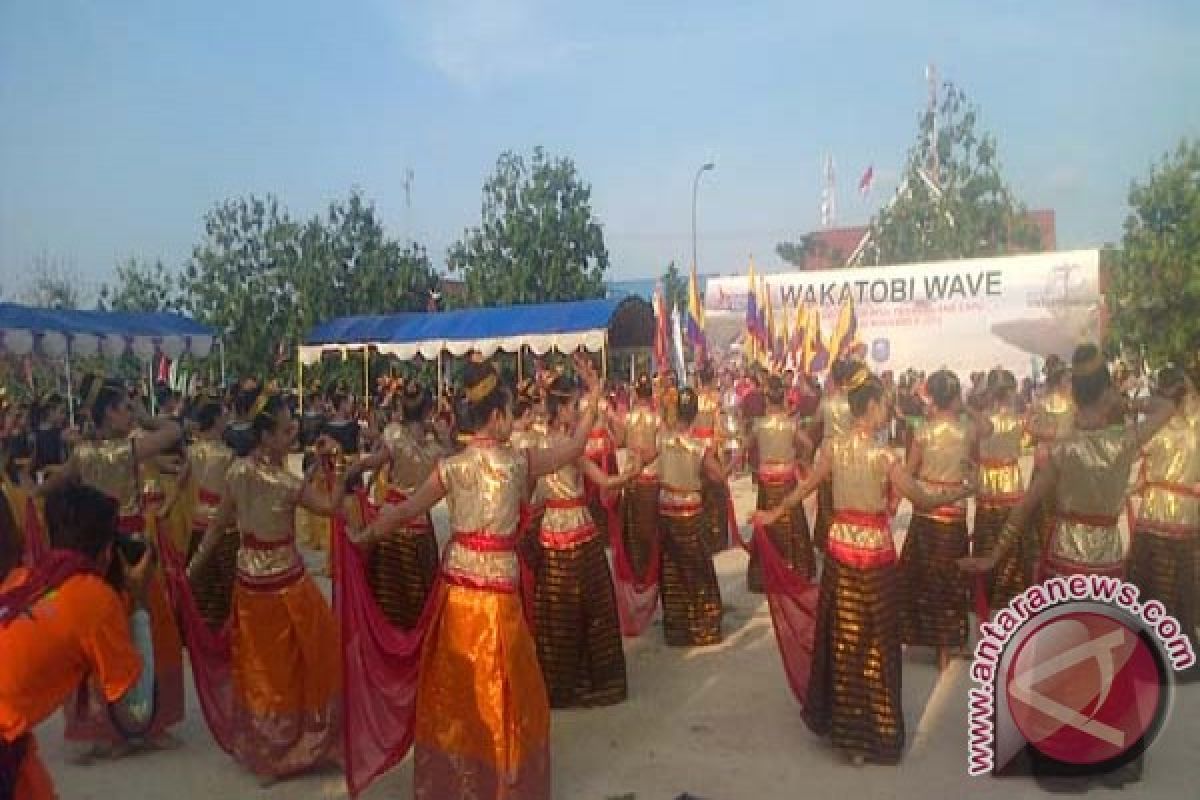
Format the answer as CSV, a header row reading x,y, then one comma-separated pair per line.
x,y
751,348
865,182
661,348
845,333
695,318
796,344
769,328
677,339
816,356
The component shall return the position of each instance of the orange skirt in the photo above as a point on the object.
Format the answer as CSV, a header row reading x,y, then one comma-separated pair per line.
x,y
286,678
483,718
33,780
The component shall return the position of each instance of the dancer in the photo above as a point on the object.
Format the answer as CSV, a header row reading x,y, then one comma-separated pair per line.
x,y
71,625
1000,487
482,718
111,462
706,428
1051,419
402,567
575,610
782,448
854,688
1167,522
642,427
601,449
284,707
933,593
834,420
691,595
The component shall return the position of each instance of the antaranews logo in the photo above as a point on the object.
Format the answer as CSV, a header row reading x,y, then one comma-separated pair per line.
x,y
1079,669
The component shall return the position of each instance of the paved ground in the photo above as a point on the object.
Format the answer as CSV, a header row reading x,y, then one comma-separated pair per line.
x,y
717,722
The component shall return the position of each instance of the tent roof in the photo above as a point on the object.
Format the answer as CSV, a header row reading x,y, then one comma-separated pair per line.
x,y
540,327
23,327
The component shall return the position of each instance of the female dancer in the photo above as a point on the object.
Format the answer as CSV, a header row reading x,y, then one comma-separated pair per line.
x,y
284,648
691,595
111,462
782,446
482,718
1000,487
854,688
1051,419
641,430
1165,530
834,420
707,429
933,593
402,567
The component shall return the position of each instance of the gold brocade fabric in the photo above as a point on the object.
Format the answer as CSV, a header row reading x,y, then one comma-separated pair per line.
x,y
691,596
854,688
836,419
109,466
1164,569
575,623
265,496
1008,579
642,426
564,484
212,584
945,453
533,438
413,458
775,435
933,590
1172,457
1052,417
483,717
485,485
681,460
640,523
789,535
209,461
1000,479
1093,472
860,472
401,571
708,409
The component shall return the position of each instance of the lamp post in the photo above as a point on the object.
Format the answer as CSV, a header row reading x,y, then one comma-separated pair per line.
x,y
695,188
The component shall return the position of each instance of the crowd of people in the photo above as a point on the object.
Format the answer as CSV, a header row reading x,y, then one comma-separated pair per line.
x,y
135,535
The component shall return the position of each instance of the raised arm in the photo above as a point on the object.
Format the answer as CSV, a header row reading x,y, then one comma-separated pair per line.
x,y
222,519
393,516
1158,412
603,479
821,470
162,435
1020,516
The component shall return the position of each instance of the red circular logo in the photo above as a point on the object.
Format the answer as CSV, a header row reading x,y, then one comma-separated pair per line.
x,y
1084,688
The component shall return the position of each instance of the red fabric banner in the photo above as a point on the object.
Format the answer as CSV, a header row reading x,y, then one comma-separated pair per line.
x,y
792,599
637,595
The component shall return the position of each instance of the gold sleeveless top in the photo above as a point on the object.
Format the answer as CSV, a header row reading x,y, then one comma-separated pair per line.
x,y
945,455
775,436
860,469
836,419
209,461
485,484
599,438
642,426
563,493
1170,472
413,460
1052,418
265,496
999,460
109,465
681,470
708,409
1093,469
532,438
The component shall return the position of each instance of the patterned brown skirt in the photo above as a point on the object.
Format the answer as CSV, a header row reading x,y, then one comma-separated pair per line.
x,y
854,690
575,624
1008,578
690,594
640,522
1163,569
212,585
789,535
1044,519
401,571
824,519
933,611
716,516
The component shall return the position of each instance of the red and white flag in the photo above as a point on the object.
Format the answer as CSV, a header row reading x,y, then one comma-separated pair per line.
x,y
864,183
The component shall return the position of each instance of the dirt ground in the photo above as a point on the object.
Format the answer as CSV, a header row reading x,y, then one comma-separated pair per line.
x,y
717,722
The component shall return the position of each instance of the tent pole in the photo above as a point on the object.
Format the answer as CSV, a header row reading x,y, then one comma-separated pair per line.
x,y
520,358
366,377
70,394
299,380
150,389
221,342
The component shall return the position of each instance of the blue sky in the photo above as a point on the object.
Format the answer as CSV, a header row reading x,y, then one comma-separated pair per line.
x,y
123,121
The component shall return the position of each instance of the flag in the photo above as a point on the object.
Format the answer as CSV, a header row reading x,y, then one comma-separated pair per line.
x,y
164,369
751,340
695,318
763,332
868,178
845,333
769,328
796,345
661,358
816,356
677,339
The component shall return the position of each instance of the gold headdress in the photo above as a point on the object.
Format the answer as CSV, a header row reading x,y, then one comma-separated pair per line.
x,y
264,396
858,378
479,392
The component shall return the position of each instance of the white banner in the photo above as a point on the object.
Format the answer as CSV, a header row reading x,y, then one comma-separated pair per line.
x,y
966,315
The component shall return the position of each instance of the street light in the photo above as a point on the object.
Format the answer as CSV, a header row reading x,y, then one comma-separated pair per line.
x,y
695,187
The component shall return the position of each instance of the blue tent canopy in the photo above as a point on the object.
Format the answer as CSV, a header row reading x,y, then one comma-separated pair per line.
x,y
541,327
51,331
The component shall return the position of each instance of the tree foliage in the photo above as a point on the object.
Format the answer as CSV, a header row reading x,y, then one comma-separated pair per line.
x,y
956,205
537,241
54,283
809,246
269,278
1154,291
142,286
675,288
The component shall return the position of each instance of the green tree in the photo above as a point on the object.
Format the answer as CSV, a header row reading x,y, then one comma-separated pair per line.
x,y
1154,290
54,284
675,288
537,241
808,246
952,202
142,286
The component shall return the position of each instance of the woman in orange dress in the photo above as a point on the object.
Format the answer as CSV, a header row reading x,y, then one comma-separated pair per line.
x,y
853,692
482,715
284,639
111,462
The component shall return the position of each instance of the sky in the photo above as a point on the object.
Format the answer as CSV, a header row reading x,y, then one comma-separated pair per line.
x,y
123,121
